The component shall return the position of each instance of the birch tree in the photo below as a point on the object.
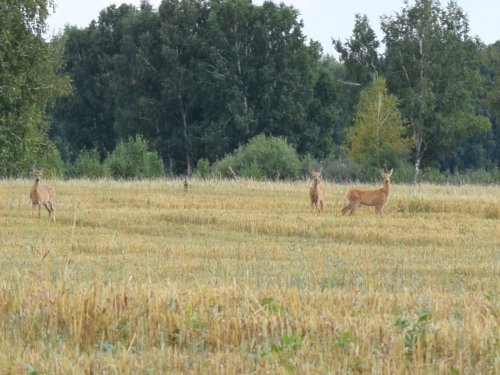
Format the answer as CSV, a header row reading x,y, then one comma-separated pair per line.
x,y
432,66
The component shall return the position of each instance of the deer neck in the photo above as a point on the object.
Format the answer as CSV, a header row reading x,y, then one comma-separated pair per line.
x,y
35,185
387,186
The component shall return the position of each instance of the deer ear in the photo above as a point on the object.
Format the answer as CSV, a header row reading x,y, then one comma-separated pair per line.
x,y
390,172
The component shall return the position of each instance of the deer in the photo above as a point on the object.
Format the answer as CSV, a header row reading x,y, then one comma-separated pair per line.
x,y
41,195
317,191
376,198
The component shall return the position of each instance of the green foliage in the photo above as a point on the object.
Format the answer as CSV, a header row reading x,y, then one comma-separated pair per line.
x,y
89,165
287,343
428,47
262,157
45,156
359,53
132,159
30,370
28,84
197,79
343,341
404,174
413,329
203,169
341,169
377,137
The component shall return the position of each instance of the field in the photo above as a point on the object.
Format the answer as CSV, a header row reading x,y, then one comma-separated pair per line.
x,y
242,277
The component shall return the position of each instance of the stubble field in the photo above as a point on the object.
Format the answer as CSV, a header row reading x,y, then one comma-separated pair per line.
x,y
242,277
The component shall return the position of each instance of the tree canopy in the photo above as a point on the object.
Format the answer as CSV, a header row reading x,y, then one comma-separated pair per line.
x,y
198,79
378,135
28,84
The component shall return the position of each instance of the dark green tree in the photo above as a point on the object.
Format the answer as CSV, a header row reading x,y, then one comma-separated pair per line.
x,y
196,79
183,29
28,85
359,53
489,144
137,78
432,66
360,61
85,119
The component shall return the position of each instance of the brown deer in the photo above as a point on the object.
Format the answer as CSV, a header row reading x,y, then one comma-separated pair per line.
x,y
317,191
377,198
41,195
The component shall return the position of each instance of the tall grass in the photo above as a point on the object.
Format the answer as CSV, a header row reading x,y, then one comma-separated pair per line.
x,y
243,277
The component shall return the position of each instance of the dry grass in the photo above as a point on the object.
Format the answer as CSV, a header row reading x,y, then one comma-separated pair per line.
x,y
243,277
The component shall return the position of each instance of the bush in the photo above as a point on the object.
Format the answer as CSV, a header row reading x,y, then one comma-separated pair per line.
x,y
340,169
203,169
433,175
404,174
48,158
132,159
263,157
89,165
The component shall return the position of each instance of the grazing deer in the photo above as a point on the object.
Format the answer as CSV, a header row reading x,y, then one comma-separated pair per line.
x,y
377,198
317,192
41,195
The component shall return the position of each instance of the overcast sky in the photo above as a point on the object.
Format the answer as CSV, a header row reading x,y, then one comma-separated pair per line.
x,y
323,19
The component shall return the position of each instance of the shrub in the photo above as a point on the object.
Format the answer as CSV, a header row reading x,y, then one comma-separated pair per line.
x,y
132,159
48,158
432,175
341,169
263,157
203,169
404,174
89,165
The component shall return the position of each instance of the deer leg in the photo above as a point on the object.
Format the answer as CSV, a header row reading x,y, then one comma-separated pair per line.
x,y
50,208
314,202
52,211
321,206
345,209
354,206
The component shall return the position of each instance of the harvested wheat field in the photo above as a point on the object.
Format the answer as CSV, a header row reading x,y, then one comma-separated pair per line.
x,y
243,277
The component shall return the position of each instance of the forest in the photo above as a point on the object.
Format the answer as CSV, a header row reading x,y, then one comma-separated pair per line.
x,y
192,86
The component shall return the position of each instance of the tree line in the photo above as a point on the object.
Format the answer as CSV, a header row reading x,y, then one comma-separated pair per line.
x,y
196,80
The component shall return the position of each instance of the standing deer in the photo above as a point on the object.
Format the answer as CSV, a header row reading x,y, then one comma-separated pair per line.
x,y
377,198
317,192
41,195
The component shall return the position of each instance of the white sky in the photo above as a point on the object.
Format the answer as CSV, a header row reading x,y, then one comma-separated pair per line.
x,y
323,19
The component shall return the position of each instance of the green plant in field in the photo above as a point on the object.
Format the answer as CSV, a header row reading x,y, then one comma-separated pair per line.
x,y
270,304
287,343
344,340
30,370
413,329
